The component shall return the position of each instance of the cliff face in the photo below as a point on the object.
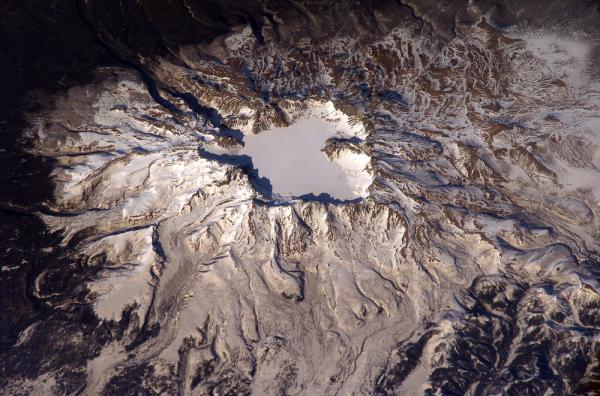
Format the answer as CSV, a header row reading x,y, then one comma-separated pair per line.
x,y
469,264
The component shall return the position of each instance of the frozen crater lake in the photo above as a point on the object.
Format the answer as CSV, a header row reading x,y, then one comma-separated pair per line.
x,y
293,160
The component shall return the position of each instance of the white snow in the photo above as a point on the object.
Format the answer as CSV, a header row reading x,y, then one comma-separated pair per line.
x,y
565,56
293,161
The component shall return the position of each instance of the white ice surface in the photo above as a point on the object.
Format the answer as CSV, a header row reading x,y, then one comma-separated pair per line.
x,y
292,160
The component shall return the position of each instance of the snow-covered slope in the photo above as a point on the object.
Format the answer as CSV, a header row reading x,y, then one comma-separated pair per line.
x,y
468,266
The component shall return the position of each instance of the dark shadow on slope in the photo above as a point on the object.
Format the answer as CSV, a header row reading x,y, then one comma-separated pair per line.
x,y
210,114
244,162
353,140
46,49
327,199
393,96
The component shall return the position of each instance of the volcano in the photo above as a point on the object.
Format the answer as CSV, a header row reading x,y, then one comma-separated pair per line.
x,y
300,197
